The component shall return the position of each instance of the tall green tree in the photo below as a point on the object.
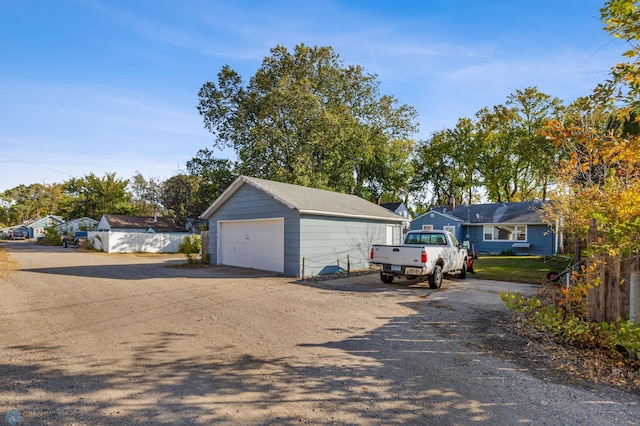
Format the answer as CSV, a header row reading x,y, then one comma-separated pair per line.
x,y
146,195
180,197
516,162
213,175
434,180
25,202
308,119
446,165
93,196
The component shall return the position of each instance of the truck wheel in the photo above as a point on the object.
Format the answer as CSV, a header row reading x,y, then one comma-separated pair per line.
x,y
64,244
435,279
463,271
387,279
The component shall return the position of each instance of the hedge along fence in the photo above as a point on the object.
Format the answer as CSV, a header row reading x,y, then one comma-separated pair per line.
x,y
136,242
611,299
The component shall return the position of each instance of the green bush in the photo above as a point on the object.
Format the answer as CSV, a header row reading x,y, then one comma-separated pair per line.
x,y
190,245
51,237
620,336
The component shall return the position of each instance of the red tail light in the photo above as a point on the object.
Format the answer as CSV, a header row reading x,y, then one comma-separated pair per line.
x,y
423,259
371,255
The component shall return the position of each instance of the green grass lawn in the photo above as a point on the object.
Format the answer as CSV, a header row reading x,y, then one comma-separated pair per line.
x,y
521,269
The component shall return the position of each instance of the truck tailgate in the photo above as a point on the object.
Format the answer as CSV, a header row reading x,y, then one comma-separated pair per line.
x,y
397,255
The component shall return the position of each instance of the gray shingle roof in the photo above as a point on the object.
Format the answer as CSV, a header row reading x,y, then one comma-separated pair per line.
x,y
309,200
160,224
525,212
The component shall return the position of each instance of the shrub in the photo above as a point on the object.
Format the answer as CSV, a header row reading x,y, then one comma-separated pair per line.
x,y
568,326
51,237
190,245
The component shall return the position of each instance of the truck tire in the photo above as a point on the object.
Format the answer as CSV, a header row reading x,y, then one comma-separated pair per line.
x,y
64,244
463,271
435,279
387,279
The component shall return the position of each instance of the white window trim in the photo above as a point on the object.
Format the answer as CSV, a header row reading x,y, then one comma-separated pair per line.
x,y
526,234
427,227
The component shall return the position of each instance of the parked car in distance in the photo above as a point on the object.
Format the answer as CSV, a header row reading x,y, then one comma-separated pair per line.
x,y
74,240
18,235
69,241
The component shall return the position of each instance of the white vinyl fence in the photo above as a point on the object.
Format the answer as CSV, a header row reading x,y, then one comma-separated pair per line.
x,y
136,242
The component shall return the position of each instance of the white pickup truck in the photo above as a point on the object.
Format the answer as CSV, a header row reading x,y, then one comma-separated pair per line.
x,y
424,254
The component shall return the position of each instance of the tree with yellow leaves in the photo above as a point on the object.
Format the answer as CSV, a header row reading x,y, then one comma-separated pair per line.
x,y
598,197
600,176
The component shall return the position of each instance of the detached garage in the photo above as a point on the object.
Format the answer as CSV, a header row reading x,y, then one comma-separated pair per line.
x,y
295,230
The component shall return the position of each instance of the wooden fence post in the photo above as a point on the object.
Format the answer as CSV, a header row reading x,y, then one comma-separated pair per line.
x,y
634,297
611,299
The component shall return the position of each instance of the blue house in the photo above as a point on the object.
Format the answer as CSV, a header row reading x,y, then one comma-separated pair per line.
x,y
37,229
496,228
398,208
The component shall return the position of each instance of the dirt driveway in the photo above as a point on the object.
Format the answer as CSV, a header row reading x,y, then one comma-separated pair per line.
x,y
90,338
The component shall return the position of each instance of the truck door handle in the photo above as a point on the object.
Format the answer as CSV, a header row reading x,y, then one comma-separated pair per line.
x,y
396,249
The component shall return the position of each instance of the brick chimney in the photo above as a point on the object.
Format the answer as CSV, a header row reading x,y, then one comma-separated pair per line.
x,y
452,203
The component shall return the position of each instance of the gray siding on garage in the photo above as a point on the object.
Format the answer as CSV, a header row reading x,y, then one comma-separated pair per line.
x,y
327,241
250,203
329,226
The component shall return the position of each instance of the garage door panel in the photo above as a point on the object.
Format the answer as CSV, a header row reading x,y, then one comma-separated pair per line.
x,y
255,244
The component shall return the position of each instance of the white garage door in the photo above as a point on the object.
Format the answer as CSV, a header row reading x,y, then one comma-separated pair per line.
x,y
255,244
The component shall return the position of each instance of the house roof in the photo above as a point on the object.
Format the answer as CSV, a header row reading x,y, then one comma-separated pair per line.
x,y
525,212
443,213
81,219
159,224
391,206
45,221
309,200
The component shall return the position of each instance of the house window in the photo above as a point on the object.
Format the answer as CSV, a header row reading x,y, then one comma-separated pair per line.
x,y
505,232
427,227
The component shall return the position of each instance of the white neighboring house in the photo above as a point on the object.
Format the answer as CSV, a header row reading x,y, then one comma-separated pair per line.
x,y
137,234
70,227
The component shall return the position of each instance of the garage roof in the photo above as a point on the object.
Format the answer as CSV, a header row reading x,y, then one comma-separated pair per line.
x,y
309,200
158,224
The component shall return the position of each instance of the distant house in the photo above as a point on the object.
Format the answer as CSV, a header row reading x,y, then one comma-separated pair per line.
x,y
496,227
195,225
137,234
7,233
149,224
398,208
37,228
295,230
74,225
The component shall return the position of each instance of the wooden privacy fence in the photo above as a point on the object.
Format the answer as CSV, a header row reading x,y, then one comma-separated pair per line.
x,y
612,298
204,238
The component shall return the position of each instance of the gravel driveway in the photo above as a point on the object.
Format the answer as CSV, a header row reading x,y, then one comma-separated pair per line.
x,y
90,338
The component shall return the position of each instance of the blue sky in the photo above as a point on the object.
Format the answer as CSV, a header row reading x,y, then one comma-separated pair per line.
x,y
111,85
